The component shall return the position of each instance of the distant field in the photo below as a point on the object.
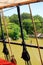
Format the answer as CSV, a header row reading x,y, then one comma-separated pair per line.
x,y
17,51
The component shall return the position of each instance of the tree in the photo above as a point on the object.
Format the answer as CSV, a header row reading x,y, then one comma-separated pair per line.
x,y
14,31
38,25
14,19
38,17
25,34
7,19
27,24
25,16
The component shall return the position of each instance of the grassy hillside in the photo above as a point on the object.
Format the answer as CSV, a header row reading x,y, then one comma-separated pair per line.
x,y
35,60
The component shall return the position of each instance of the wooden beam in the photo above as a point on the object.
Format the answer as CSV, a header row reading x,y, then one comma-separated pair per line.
x,y
21,3
19,44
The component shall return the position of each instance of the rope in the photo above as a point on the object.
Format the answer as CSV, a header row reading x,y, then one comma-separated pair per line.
x,y
9,9
35,35
5,50
6,32
25,54
12,59
20,23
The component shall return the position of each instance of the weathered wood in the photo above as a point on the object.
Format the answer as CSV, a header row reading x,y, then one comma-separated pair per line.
x,y
16,3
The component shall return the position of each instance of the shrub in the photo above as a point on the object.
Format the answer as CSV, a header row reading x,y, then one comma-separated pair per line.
x,y
14,31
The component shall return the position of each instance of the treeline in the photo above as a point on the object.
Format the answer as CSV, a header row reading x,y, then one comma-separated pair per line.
x,y
14,29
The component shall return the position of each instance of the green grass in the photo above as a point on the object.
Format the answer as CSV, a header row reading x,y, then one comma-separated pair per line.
x,y
17,51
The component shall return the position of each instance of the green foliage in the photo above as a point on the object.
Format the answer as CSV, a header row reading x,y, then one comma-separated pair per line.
x,y
25,16
0,33
38,17
38,25
14,31
7,19
28,26
42,30
37,20
14,19
25,34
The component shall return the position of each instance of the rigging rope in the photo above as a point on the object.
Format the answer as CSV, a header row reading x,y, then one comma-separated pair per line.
x,y
9,9
5,50
6,30
35,34
25,54
5,25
